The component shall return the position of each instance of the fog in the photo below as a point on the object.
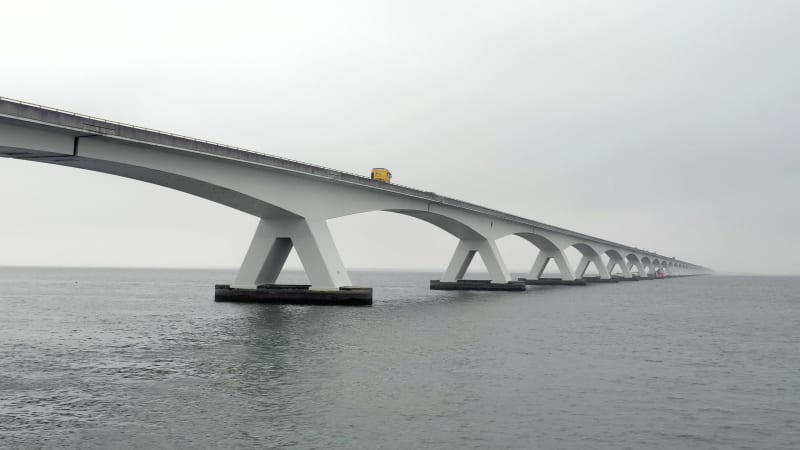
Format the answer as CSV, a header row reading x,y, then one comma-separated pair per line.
x,y
671,126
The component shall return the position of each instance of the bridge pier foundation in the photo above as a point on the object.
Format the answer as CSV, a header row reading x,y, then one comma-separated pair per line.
x,y
567,277
598,263
273,240
459,263
639,267
465,252
619,261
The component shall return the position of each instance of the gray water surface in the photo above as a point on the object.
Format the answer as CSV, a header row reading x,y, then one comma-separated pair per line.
x,y
145,359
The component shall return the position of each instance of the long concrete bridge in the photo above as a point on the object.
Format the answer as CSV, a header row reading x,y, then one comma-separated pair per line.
x,y
294,201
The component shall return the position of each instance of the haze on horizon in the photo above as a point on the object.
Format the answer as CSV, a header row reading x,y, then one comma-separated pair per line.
x,y
670,126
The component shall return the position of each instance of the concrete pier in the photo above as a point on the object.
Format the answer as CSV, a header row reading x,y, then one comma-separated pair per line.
x,y
620,278
476,285
600,280
553,282
294,294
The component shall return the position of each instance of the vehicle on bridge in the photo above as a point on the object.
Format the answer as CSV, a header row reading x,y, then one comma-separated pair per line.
x,y
381,174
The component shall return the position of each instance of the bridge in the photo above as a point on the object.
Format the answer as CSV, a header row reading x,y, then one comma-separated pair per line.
x,y
294,201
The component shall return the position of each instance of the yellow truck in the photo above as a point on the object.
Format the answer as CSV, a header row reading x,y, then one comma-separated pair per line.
x,y
381,174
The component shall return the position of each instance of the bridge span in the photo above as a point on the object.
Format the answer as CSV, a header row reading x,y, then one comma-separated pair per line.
x,y
294,201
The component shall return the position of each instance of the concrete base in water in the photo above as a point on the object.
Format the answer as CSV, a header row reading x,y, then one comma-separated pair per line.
x,y
294,294
553,282
476,285
600,280
617,277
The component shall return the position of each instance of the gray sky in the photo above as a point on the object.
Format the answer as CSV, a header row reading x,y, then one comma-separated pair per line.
x,y
671,126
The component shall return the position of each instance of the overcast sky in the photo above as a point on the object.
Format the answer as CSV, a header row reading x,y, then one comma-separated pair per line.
x,y
671,126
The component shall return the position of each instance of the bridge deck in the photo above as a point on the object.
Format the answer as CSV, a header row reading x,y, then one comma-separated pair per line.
x,y
78,124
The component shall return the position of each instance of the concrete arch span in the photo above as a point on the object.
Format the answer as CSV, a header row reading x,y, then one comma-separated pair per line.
x,y
294,200
250,187
295,208
634,262
224,195
656,264
552,246
474,238
590,255
292,208
548,250
648,265
616,259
